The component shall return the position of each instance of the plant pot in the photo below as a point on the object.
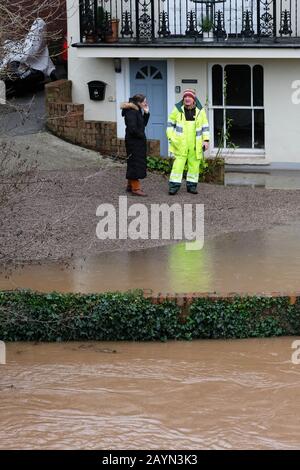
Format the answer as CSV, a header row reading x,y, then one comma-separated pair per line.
x,y
90,38
114,36
208,36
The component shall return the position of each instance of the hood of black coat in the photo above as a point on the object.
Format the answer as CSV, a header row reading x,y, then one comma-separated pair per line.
x,y
129,106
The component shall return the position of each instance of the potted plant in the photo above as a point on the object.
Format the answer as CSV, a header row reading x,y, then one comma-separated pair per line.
x,y
112,33
107,27
102,18
207,27
88,27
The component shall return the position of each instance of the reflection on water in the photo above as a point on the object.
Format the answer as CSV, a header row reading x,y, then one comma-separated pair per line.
x,y
203,394
266,178
256,261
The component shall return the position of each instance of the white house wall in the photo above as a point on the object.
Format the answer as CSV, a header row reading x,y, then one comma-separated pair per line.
x,y
282,115
192,69
238,52
82,70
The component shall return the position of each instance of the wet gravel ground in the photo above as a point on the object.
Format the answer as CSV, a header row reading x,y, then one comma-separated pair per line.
x,y
55,216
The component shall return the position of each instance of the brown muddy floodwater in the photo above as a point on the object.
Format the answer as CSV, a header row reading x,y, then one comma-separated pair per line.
x,y
253,262
189,395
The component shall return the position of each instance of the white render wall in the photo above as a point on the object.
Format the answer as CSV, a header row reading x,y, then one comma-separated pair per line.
x,y
192,69
82,70
282,110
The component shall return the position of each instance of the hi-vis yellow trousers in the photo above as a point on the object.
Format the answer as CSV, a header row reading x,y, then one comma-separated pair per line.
x,y
193,162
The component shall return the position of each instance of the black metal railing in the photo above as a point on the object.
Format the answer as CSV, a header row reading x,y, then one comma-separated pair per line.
x,y
183,20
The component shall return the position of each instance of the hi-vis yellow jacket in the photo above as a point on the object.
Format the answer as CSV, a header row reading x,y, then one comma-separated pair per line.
x,y
177,130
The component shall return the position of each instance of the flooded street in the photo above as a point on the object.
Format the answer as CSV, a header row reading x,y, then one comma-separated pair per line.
x,y
254,262
198,395
263,178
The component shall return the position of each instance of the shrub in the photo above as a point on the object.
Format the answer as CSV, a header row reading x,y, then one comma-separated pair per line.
x,y
31,316
212,173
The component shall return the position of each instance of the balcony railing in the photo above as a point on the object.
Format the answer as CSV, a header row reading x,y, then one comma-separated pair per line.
x,y
169,21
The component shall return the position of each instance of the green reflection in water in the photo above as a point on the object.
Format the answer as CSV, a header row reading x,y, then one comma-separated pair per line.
x,y
189,270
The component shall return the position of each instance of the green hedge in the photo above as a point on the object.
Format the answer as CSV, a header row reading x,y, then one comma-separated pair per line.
x,y
213,173
30,316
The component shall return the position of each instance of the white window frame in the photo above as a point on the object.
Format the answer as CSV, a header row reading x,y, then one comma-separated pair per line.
x,y
230,151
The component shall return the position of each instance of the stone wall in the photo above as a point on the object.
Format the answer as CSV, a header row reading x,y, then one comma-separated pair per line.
x,y
66,120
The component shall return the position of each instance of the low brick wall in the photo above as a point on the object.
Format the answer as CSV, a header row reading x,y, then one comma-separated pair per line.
x,y
185,300
66,120
138,316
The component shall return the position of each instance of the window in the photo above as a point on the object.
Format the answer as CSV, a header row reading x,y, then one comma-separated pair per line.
x,y
238,106
149,71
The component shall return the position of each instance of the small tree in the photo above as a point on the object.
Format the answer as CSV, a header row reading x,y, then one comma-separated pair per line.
x,y
17,17
224,134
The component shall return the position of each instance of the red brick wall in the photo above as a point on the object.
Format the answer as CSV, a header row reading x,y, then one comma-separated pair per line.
x,y
185,300
66,120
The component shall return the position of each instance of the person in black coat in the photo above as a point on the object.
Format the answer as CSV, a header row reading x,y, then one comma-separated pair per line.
x,y
136,115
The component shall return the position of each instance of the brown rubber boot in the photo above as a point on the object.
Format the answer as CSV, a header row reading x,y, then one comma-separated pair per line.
x,y
128,188
138,192
136,189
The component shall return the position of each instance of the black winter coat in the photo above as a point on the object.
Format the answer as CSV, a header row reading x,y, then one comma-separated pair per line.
x,y
135,140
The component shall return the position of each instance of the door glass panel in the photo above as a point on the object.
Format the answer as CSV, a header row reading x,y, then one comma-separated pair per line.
x,y
153,70
145,70
158,76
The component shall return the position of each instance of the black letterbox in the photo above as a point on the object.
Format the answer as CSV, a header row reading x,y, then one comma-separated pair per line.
x,y
97,90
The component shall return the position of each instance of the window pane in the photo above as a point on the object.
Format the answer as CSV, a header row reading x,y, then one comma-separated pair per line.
x,y
258,85
239,127
140,76
218,127
158,76
217,84
259,128
238,88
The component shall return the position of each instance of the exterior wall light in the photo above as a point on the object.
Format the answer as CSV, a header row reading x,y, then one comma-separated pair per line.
x,y
118,65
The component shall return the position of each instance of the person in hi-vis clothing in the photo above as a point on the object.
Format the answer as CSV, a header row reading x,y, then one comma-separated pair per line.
x,y
188,136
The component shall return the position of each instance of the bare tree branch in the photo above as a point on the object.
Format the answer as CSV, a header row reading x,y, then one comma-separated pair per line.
x,y
16,21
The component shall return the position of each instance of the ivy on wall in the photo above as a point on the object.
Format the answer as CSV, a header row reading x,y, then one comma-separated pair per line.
x,y
31,316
